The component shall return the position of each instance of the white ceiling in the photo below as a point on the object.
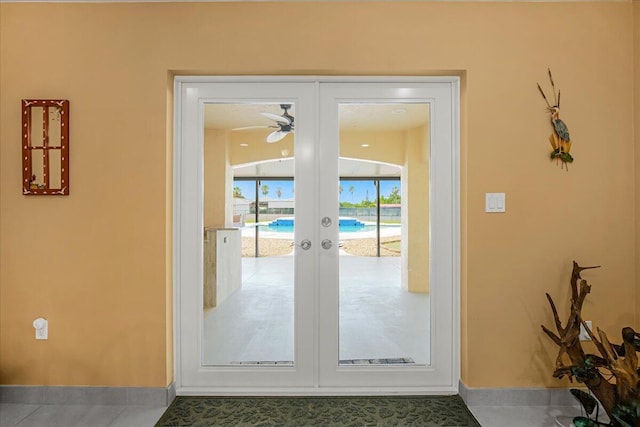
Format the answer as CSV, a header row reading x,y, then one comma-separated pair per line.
x,y
348,168
352,116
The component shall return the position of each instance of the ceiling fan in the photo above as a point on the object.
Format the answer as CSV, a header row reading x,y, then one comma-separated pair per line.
x,y
284,124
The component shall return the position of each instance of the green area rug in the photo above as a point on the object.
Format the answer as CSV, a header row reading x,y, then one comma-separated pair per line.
x,y
428,411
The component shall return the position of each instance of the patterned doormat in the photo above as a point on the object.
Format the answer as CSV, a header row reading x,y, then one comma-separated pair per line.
x,y
418,411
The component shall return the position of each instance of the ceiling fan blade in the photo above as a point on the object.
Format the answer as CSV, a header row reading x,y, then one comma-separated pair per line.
x,y
277,118
276,136
254,127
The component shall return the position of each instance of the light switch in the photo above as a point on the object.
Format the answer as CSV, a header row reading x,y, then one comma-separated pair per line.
x,y
495,202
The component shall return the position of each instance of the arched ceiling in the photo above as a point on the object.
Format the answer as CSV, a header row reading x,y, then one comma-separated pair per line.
x,y
284,168
353,117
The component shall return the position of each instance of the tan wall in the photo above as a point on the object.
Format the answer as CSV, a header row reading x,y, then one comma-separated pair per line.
x,y
216,180
636,67
104,254
416,205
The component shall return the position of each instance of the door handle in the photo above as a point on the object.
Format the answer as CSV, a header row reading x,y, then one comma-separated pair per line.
x,y
305,244
326,244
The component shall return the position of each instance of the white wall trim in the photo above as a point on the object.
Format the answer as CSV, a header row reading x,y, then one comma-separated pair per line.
x,y
182,84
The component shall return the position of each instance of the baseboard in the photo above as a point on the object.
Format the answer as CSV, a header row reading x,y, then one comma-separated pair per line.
x,y
516,396
163,396
74,395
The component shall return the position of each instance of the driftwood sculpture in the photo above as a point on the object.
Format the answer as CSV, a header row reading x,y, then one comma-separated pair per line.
x,y
560,140
612,377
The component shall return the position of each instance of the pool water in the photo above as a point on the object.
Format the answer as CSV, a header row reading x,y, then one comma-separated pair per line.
x,y
342,229
346,225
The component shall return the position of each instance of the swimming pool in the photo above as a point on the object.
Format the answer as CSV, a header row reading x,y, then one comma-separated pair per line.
x,y
346,225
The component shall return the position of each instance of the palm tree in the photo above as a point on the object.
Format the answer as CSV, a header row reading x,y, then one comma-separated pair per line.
x,y
352,189
394,197
264,189
237,193
279,192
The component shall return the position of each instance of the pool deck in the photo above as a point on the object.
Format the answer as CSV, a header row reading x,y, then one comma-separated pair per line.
x,y
385,231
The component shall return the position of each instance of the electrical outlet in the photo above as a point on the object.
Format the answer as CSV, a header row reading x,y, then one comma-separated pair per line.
x,y
41,326
584,336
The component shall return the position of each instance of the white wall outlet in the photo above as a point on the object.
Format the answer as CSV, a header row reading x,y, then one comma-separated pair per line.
x,y
41,326
584,336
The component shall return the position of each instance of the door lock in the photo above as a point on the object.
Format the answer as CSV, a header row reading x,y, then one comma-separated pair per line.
x,y
326,244
305,244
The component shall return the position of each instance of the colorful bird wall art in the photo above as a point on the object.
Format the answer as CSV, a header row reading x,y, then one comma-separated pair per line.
x,y
559,139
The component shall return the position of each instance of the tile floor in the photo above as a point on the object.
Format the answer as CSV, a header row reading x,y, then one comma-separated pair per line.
x,y
19,415
377,318
525,416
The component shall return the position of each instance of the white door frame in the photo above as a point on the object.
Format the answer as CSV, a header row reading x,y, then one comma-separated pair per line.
x,y
186,266
189,151
438,373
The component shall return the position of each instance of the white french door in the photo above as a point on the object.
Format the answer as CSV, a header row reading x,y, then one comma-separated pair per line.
x,y
360,324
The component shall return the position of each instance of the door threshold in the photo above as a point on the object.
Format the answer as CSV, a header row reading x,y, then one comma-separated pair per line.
x,y
316,391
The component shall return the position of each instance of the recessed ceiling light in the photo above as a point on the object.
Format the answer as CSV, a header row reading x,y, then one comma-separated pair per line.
x,y
364,145
244,144
399,111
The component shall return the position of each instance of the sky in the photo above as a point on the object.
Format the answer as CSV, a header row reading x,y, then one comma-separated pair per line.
x,y
361,189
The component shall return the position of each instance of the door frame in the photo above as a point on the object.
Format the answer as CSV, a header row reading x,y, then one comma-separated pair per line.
x,y
182,82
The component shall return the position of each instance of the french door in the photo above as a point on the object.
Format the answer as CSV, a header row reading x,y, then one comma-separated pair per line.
x,y
365,300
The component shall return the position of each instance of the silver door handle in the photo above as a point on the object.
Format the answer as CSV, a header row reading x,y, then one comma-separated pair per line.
x,y
326,244
305,244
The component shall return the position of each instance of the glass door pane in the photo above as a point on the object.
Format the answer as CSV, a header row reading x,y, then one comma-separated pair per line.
x,y
249,223
384,234
387,291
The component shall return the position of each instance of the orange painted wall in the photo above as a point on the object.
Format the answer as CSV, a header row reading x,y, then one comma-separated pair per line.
x,y
102,253
217,206
636,86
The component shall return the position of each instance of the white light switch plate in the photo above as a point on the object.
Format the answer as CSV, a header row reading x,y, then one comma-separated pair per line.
x,y
495,202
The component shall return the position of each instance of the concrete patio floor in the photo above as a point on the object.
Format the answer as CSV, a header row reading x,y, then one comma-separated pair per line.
x,y
378,319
